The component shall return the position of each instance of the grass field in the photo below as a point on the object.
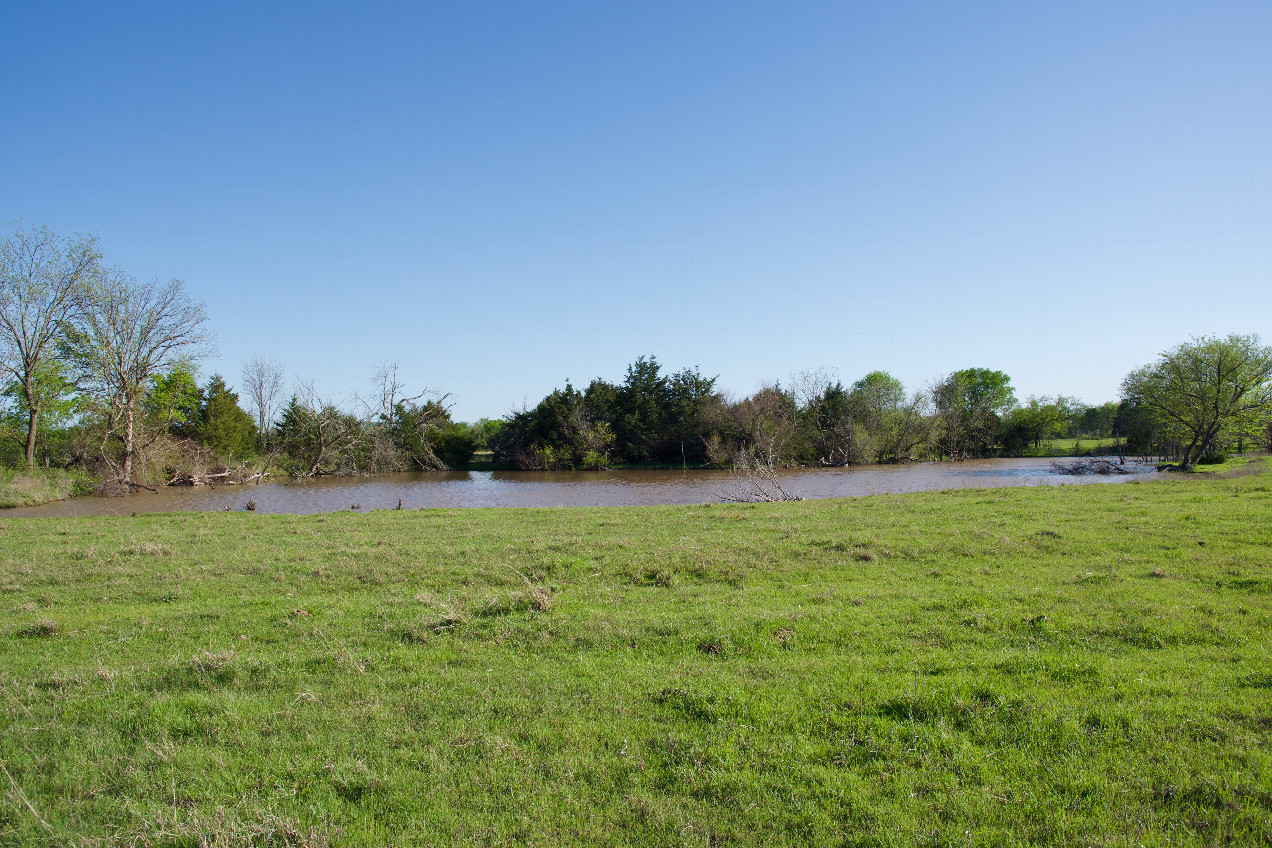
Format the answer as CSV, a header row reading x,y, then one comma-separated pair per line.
x,y
1069,665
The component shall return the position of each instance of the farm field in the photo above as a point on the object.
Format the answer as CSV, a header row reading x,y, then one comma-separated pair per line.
x,y
1052,665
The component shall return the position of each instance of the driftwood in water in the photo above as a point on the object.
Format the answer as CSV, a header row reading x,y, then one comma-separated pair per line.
x,y
1091,465
224,477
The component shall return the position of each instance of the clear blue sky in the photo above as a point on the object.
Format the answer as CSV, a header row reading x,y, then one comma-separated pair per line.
x,y
503,196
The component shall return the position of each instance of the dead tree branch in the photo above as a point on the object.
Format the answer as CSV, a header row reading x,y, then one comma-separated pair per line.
x,y
755,482
1091,465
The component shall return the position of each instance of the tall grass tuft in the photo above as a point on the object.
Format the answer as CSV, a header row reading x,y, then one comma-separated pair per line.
x,y
37,486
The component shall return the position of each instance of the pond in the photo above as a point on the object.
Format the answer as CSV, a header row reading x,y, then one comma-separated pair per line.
x,y
568,488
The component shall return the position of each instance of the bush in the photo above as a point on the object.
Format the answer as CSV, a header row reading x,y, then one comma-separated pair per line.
x,y
455,444
1213,459
595,461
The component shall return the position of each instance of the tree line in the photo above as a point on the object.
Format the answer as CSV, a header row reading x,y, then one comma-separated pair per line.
x,y
653,418
1200,399
100,370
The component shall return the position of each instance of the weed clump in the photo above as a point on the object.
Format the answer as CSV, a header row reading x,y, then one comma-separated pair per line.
x,y
39,630
663,577
146,548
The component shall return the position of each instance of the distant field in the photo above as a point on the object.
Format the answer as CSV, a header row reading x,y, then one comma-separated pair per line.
x,y
1068,665
1067,447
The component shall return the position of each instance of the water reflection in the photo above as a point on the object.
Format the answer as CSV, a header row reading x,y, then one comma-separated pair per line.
x,y
571,488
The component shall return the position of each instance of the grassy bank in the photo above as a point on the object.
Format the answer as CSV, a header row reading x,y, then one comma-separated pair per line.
x,y
1067,665
37,486
1236,465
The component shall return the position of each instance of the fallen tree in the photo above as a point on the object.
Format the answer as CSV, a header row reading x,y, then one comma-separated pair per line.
x,y
1091,465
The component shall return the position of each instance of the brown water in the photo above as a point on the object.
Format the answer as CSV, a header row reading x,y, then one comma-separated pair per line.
x,y
571,488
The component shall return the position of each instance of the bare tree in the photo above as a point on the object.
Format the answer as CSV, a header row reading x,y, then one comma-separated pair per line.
x,y
807,387
40,278
325,439
389,393
263,384
400,425
131,333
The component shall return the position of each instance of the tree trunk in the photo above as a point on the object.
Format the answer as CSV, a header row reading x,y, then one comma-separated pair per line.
x,y
128,448
34,414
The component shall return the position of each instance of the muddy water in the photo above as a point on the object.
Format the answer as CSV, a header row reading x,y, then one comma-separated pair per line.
x,y
574,488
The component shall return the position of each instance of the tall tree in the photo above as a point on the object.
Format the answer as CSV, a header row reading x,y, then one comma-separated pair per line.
x,y
689,396
263,384
834,435
53,391
766,426
641,415
892,421
1203,386
133,331
41,278
971,404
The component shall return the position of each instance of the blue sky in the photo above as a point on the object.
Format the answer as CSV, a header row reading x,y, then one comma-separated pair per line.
x,y
504,196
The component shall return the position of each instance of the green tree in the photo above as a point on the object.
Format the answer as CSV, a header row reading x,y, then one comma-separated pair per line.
x,y
173,401
642,404
970,405
1198,389
836,439
689,397
455,443
1095,420
320,438
42,279
1137,427
1039,418
485,432
765,427
892,423
47,396
425,433
223,426
649,417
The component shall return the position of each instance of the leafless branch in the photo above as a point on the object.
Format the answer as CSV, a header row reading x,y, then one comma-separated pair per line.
x,y
755,482
263,384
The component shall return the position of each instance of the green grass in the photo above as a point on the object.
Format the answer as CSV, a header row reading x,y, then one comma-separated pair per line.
x,y
1073,447
1060,665
36,486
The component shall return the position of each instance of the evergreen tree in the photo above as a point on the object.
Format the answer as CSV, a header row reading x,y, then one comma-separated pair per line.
x,y
223,426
